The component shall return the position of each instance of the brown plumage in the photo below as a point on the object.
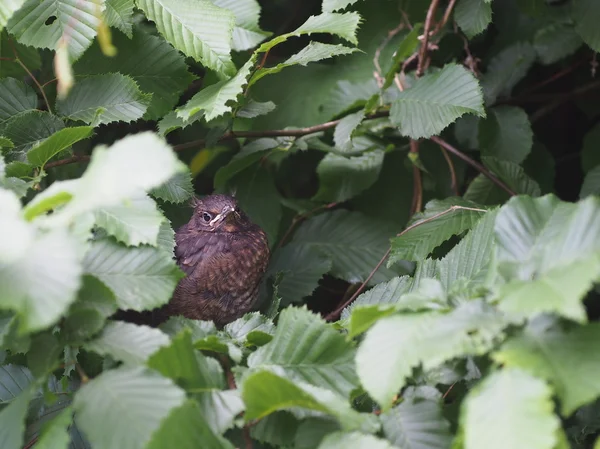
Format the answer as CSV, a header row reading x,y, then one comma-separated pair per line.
x,y
224,256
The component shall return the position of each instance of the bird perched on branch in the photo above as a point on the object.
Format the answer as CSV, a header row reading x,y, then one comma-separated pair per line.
x,y
224,256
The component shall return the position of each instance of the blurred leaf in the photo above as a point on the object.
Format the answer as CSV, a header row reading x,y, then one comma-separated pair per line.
x,y
473,16
119,14
591,183
305,348
354,242
521,413
7,9
353,440
102,99
506,134
197,28
14,379
437,100
42,357
141,278
123,407
555,42
56,432
427,230
277,429
12,421
407,47
32,25
41,153
342,178
565,358
15,97
397,344
133,222
155,66
128,342
506,69
584,12
254,109
384,293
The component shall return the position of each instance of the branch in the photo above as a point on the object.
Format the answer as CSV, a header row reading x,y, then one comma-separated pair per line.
x,y
424,45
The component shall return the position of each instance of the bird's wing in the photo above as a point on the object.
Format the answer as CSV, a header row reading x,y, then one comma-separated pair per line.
x,y
193,247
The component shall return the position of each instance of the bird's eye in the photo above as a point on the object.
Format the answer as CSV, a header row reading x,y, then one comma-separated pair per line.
x,y
206,217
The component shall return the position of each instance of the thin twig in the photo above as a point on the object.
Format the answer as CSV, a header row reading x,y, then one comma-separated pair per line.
x,y
480,168
37,83
444,21
453,180
70,160
448,390
84,377
417,200
425,43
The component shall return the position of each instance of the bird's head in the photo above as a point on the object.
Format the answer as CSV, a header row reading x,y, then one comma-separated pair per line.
x,y
218,213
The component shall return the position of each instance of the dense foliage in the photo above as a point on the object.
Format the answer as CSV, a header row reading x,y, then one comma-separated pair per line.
x,y
425,170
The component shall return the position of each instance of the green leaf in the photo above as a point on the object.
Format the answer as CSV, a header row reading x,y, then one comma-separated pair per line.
x,y
78,19
342,136
344,25
382,294
123,407
133,222
197,28
342,178
40,154
313,52
14,379
302,266
215,99
427,230
128,342
141,278
119,14
591,183
176,189
265,392
506,69
27,129
397,344
251,325
417,423
220,408
186,428
473,16
247,33
56,432
166,238
7,9
353,440
584,12
306,349
336,5
506,134
565,358
437,100
44,354
12,421
407,47
102,99
15,97
354,242
509,408
255,109
555,42
154,65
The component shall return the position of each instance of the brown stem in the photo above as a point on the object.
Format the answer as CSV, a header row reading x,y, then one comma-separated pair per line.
x,y
453,180
69,160
37,83
444,21
84,377
480,168
417,200
424,45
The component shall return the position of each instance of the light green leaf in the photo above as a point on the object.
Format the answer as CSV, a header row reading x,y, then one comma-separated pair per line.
x,y
128,342
344,25
382,294
12,421
123,407
7,9
509,408
417,423
56,432
41,153
213,100
132,222
473,16
155,66
506,134
302,268
565,358
102,99
353,440
176,189
247,33
265,392
306,349
342,178
407,47
313,52
555,42
255,109
220,408
336,5
342,135
437,100
427,230
397,344
186,428
15,97
119,14
244,329
354,243
27,129
77,19
165,241
584,13
591,183
197,28
506,69
141,278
